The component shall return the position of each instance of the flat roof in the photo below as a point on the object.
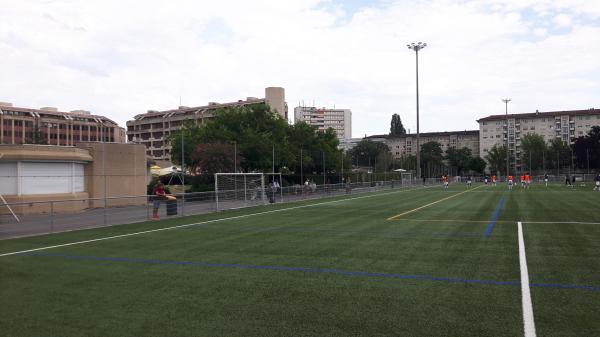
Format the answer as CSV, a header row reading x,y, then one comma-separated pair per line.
x,y
540,114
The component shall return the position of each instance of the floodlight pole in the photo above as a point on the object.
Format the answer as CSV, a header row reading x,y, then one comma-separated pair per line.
x,y
416,47
506,100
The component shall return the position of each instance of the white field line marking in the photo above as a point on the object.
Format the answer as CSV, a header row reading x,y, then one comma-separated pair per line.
x,y
528,324
431,203
563,222
203,222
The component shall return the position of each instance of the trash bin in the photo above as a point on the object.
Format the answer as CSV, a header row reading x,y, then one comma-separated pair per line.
x,y
172,207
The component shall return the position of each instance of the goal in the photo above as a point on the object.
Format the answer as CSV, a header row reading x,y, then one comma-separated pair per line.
x,y
407,179
236,190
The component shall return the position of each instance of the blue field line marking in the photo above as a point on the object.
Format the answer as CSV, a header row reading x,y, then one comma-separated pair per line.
x,y
490,226
313,270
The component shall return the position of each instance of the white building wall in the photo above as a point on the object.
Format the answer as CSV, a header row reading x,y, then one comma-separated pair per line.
x,y
27,178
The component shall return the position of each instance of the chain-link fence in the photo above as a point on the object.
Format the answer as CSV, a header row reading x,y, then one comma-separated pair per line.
x,y
42,217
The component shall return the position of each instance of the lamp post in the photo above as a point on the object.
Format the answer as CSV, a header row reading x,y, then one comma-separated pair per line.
x,y
416,47
506,100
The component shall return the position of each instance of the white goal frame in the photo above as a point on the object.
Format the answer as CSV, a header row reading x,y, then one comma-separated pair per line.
x,y
266,192
407,176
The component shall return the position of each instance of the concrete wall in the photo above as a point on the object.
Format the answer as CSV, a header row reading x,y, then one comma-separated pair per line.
x,y
117,170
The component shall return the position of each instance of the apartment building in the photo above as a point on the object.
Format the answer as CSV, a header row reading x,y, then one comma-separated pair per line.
x,y
25,125
406,145
340,120
153,128
565,125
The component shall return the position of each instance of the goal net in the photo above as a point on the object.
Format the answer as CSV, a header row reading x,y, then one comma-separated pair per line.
x,y
407,179
235,190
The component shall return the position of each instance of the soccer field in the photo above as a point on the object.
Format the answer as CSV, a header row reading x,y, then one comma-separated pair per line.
x,y
410,262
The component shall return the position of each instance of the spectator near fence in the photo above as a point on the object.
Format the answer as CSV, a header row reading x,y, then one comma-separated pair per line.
x,y
159,195
597,179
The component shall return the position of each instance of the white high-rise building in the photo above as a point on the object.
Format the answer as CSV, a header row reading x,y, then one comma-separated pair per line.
x,y
340,120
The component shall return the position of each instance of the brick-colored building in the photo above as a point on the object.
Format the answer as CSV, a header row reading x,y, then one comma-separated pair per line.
x,y
152,128
565,125
19,125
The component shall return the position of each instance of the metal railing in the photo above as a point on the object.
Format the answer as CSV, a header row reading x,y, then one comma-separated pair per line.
x,y
44,217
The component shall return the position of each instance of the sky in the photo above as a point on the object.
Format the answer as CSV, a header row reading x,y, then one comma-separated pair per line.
x,y
122,58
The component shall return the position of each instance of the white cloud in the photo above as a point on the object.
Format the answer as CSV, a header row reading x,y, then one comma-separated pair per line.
x,y
562,20
120,58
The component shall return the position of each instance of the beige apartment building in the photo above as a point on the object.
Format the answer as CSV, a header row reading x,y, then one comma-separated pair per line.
x,y
406,145
340,120
566,125
18,125
152,128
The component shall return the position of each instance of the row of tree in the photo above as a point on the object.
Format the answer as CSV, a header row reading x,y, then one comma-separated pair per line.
x,y
537,155
434,161
252,138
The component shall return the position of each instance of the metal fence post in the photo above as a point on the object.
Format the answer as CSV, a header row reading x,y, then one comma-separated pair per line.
x,y
51,216
147,209
105,209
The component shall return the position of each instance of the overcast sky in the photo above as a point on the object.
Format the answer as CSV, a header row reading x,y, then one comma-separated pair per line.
x,y
121,58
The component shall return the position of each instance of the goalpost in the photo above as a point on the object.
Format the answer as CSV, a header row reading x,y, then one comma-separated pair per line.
x,y
236,190
407,178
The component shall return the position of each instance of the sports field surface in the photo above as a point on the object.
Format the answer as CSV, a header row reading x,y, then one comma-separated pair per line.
x,y
404,262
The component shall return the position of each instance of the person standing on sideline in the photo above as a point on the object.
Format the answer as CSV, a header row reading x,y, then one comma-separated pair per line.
x,y
469,181
510,183
567,180
597,179
159,194
494,180
445,179
546,179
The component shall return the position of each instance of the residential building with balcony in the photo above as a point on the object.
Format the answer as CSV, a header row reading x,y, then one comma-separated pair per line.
x,y
153,127
340,120
565,125
48,125
406,145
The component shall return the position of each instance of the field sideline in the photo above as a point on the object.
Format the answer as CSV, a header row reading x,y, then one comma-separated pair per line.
x,y
419,262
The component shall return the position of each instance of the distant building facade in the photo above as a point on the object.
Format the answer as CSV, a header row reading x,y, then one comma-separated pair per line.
x,y
48,125
340,120
406,145
565,125
152,128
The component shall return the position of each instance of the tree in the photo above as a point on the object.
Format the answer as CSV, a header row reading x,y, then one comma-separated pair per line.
x,y
559,154
587,149
533,147
431,157
191,134
365,152
496,158
396,127
216,158
477,164
459,158
258,133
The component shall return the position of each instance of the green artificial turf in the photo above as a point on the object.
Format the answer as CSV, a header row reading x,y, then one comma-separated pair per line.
x,y
335,267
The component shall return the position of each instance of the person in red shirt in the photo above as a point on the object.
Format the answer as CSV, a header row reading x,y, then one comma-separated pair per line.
x,y
527,181
494,180
159,194
445,180
510,183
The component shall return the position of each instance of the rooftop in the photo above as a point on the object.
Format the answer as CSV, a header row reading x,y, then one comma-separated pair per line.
x,y
198,109
54,112
539,114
